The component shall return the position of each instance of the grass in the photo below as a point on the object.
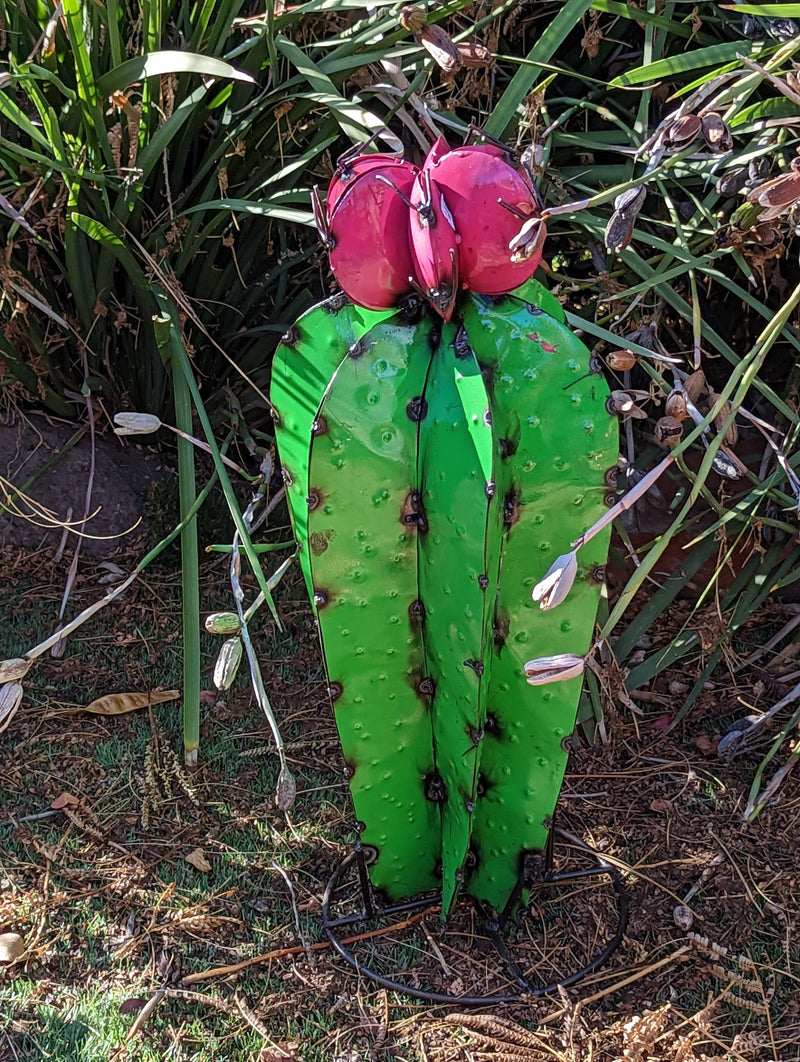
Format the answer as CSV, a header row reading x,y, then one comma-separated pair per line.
x,y
105,913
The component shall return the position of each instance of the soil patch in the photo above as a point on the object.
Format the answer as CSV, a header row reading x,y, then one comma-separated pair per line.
x,y
49,461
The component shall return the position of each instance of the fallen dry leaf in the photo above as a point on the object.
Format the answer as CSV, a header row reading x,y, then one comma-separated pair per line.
x,y
11,947
119,703
280,1052
64,800
707,744
132,1005
198,860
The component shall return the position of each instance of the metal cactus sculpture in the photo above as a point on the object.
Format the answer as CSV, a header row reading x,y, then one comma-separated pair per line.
x,y
444,438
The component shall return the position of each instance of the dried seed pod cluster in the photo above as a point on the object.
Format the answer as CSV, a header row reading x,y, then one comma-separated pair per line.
x,y
467,219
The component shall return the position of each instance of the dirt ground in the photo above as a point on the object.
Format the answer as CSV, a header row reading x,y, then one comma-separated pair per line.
x,y
164,916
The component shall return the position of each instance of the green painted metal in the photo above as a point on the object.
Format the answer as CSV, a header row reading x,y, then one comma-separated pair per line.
x,y
558,442
436,472
454,589
363,528
301,371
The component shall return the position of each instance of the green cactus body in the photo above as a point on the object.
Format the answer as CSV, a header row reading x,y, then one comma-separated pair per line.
x,y
434,478
453,585
363,531
301,370
558,440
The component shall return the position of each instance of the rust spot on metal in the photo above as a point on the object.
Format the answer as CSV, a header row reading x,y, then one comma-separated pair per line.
x,y
490,488
358,348
475,735
313,500
412,512
335,690
598,573
435,789
417,409
416,613
610,476
500,630
286,476
483,786
425,687
335,303
474,665
291,336
319,427
508,447
318,541
483,581
461,344
349,769
511,507
410,307
321,597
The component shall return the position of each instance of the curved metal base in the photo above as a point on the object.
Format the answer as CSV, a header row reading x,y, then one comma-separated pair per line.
x,y
539,875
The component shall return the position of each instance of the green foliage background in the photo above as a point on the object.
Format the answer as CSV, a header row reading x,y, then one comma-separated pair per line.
x,y
156,160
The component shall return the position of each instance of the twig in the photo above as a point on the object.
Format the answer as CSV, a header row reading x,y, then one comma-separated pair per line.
x,y
621,984
298,949
144,1014
295,912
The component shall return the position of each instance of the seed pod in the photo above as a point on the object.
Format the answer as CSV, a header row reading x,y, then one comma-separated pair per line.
x,y
619,231
732,434
439,45
16,668
623,404
228,660
733,181
745,216
553,668
694,385
621,360
631,202
413,18
782,29
675,406
668,431
286,790
10,700
222,623
716,133
683,131
553,588
135,423
474,55
779,194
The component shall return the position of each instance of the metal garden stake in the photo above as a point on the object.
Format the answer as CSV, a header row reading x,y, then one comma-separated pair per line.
x,y
444,437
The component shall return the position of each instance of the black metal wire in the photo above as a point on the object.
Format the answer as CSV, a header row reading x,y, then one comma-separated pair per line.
x,y
372,911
